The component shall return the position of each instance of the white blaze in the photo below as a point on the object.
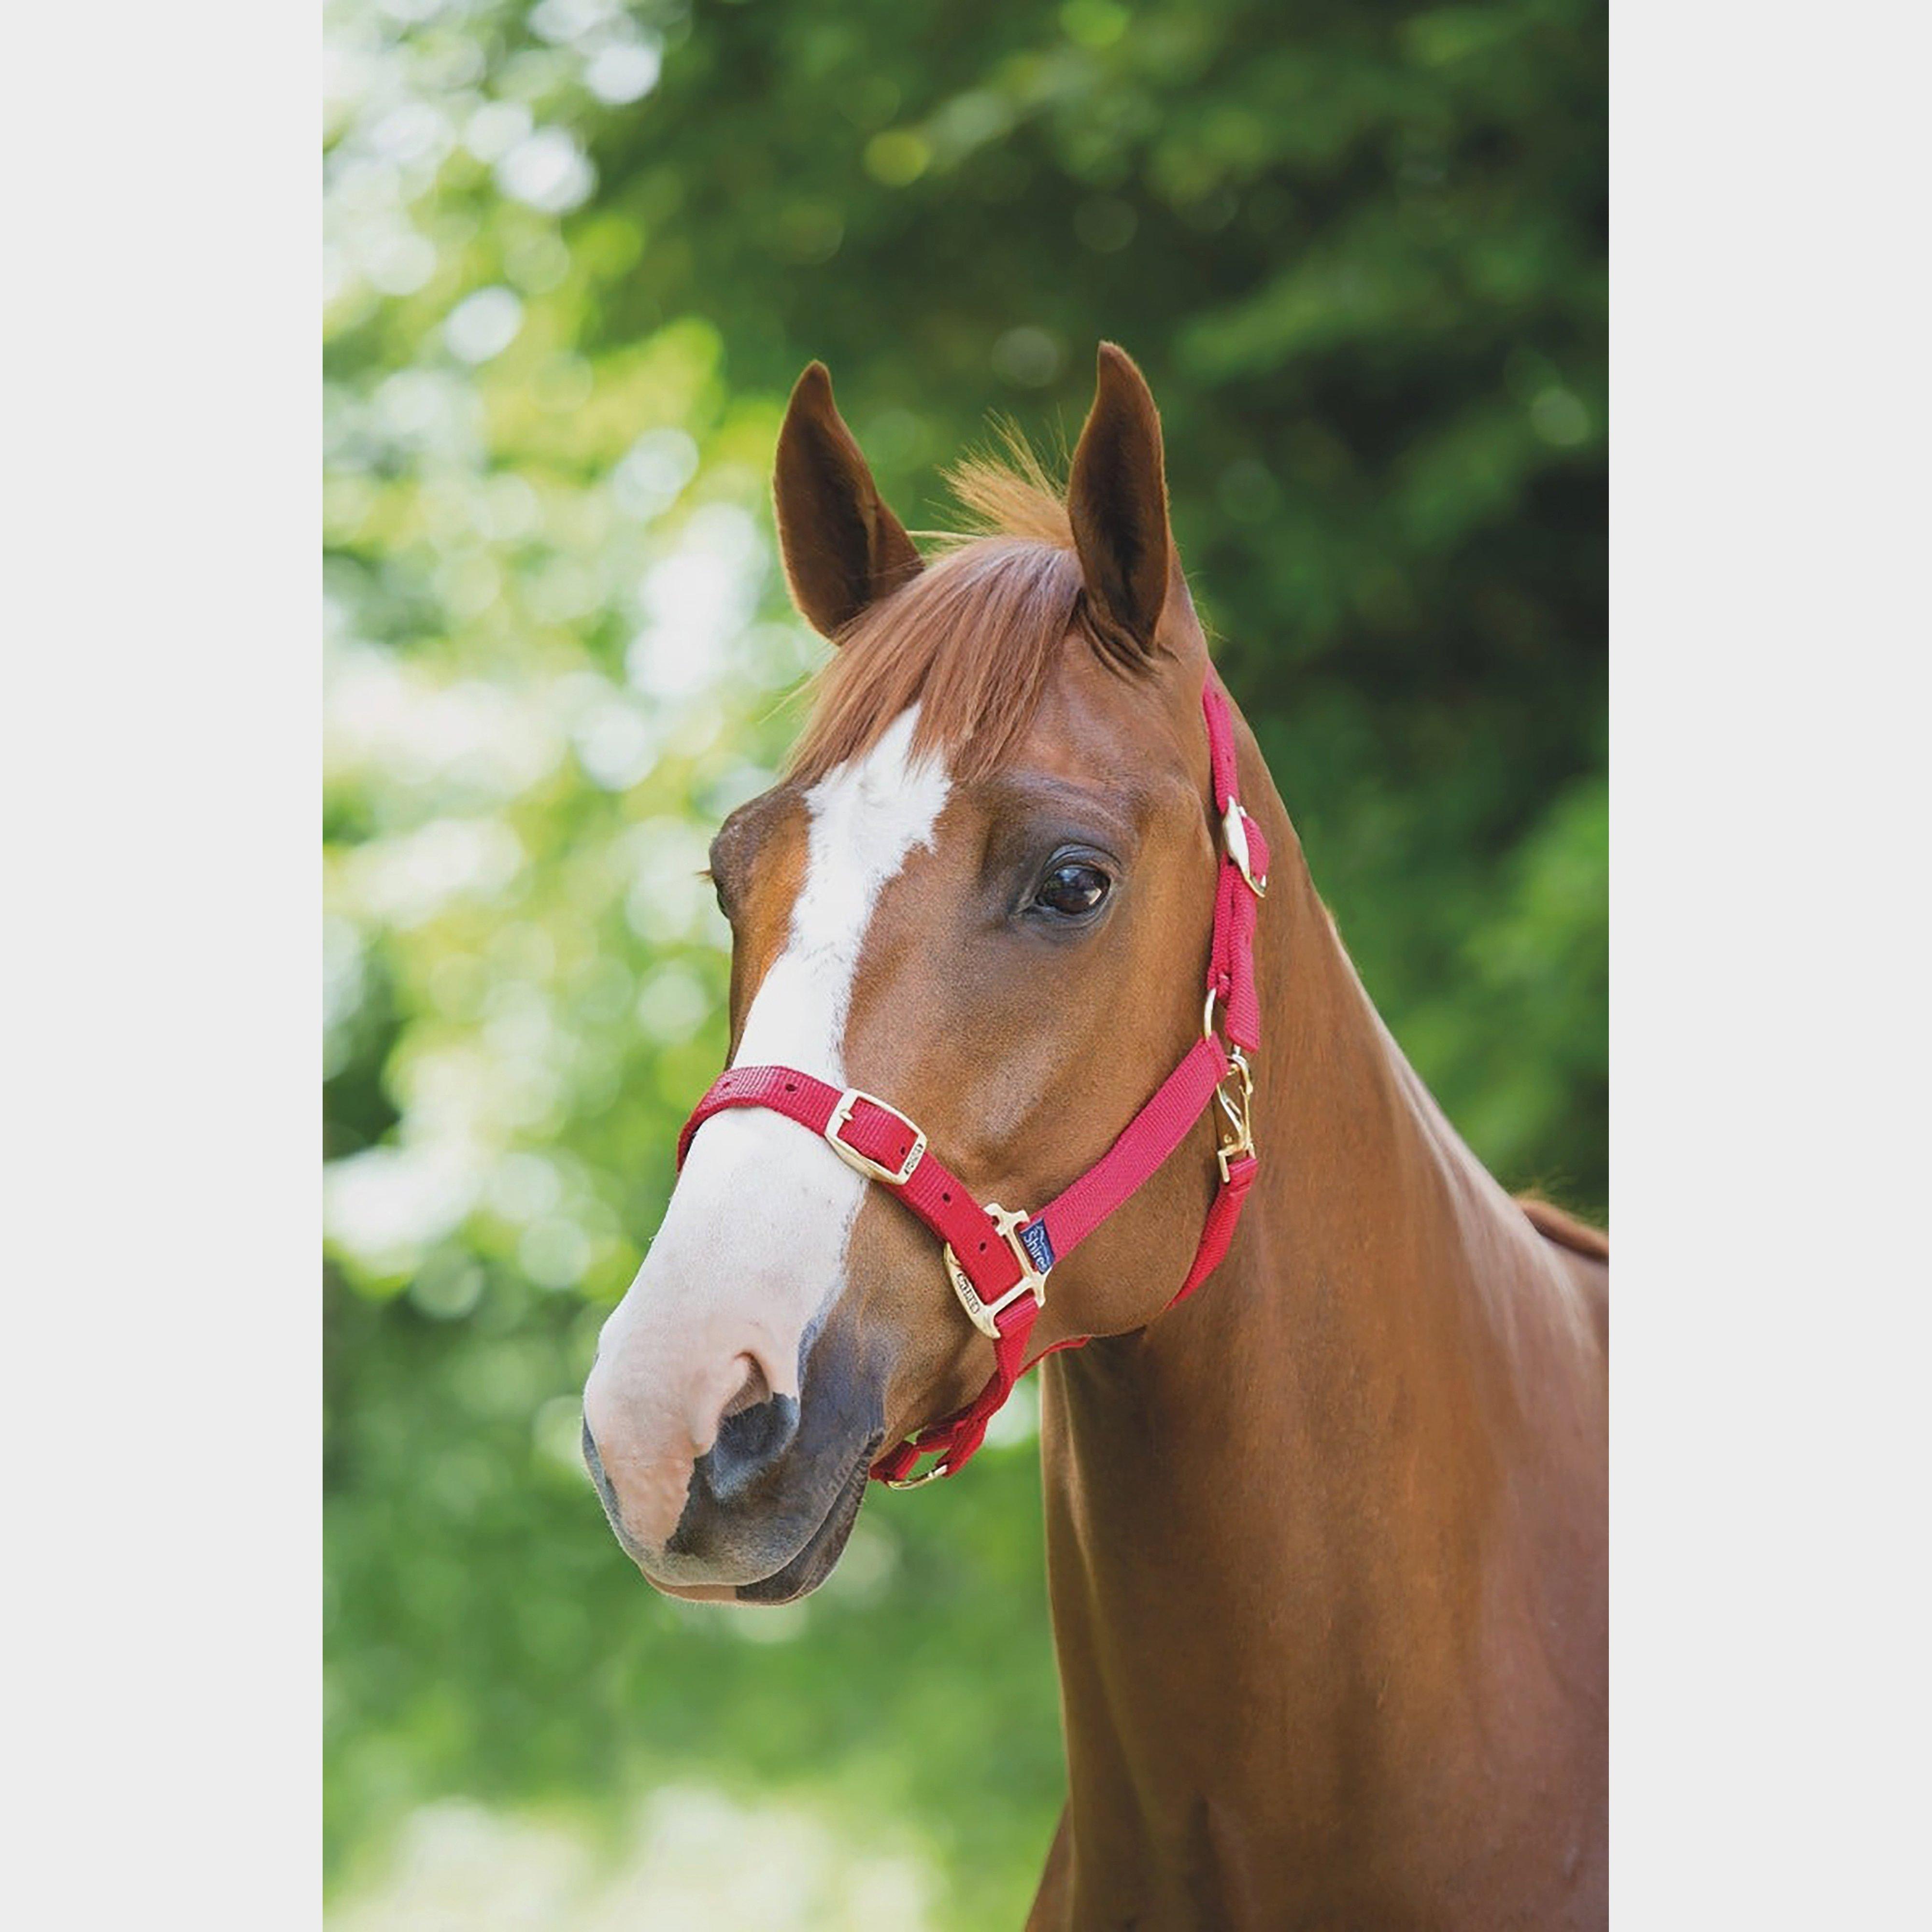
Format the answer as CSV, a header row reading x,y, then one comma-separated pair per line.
x,y
752,1250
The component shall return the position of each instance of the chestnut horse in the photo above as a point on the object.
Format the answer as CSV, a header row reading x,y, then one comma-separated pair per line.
x,y
1326,1541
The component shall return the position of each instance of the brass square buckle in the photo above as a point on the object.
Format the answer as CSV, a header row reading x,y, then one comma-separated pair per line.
x,y
864,1163
985,1316
1234,834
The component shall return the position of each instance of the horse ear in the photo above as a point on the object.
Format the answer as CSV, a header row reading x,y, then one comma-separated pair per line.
x,y
842,547
1116,501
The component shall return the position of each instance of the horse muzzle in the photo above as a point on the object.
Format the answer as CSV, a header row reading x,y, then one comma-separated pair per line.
x,y
762,1511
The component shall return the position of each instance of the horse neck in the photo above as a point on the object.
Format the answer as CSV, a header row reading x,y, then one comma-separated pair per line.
x,y
1286,1504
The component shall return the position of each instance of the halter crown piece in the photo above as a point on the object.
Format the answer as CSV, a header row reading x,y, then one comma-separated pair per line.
x,y
996,1261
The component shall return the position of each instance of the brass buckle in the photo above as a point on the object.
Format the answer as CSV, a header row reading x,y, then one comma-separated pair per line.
x,y
984,1315
1235,835
864,1163
1238,1137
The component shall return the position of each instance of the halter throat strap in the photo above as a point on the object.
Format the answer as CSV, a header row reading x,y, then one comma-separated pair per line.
x,y
998,1262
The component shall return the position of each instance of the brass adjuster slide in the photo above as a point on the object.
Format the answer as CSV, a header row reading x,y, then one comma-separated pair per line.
x,y
863,1163
985,1316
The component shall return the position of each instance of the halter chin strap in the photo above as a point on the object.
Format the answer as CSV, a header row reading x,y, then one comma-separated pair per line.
x,y
997,1260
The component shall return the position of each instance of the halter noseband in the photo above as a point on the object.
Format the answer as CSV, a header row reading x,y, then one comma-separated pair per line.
x,y
997,1260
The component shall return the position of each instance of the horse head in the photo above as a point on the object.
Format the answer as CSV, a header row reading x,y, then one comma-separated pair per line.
x,y
983,891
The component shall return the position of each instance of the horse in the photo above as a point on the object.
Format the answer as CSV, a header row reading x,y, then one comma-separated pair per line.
x,y
1323,1412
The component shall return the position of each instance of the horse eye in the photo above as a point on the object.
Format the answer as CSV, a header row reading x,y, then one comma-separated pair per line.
x,y
1072,890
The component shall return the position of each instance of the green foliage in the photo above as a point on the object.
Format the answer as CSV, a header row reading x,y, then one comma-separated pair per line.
x,y
577,252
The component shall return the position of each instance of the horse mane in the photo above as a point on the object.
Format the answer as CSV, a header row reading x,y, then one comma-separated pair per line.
x,y
1565,1230
972,639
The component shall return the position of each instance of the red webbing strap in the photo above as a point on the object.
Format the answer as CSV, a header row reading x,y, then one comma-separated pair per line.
x,y
1229,1199
1143,1145
1231,969
932,1191
954,1438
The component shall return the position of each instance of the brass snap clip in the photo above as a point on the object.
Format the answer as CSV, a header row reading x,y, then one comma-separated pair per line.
x,y
1237,1137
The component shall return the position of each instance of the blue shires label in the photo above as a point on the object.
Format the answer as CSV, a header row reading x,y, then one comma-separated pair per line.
x,y
1033,1238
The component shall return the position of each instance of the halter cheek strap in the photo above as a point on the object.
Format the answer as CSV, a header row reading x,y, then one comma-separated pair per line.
x,y
998,1262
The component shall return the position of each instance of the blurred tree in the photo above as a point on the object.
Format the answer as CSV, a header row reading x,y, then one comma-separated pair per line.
x,y
575,253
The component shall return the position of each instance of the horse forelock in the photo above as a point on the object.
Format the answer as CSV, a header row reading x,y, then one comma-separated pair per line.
x,y
973,641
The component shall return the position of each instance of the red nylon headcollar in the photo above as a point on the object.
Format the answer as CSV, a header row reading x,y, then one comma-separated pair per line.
x,y
997,1262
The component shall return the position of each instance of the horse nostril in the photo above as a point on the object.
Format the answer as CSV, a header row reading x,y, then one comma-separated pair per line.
x,y
752,1390
755,1432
